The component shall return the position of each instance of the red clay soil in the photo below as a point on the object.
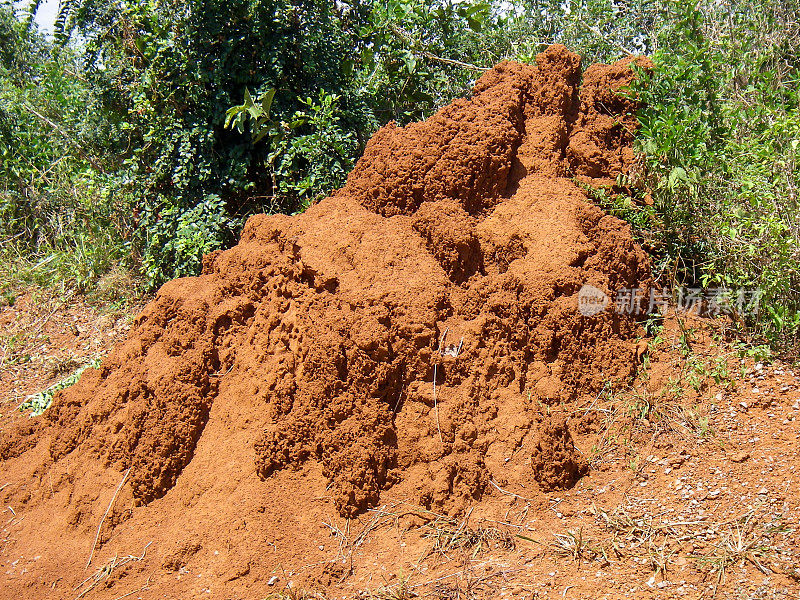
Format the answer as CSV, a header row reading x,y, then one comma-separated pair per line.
x,y
405,336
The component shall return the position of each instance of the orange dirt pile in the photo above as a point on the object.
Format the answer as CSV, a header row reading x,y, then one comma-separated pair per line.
x,y
456,249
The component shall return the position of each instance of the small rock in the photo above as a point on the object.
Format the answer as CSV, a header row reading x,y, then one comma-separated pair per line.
x,y
272,580
740,456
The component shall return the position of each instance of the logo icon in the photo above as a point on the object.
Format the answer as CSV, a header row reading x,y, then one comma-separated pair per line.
x,y
591,300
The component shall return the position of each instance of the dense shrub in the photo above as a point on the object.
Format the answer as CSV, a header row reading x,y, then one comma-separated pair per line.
x,y
53,210
720,135
167,73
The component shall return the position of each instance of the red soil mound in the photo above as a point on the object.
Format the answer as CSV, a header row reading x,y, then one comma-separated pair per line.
x,y
404,332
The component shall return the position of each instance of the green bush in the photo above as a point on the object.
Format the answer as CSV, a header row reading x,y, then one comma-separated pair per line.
x,y
57,225
309,156
179,236
720,134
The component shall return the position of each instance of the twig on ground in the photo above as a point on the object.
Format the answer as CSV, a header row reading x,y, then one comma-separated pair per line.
x,y
443,350
502,491
108,509
435,404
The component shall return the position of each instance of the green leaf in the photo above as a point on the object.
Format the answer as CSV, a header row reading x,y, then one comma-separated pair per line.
x,y
230,114
676,175
266,101
263,132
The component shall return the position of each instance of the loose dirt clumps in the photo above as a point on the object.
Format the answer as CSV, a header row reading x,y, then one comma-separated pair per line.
x,y
557,465
404,333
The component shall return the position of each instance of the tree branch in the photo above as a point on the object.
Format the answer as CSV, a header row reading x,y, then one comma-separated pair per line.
x,y
415,45
63,134
450,61
599,34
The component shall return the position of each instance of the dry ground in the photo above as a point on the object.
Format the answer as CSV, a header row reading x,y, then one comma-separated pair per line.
x,y
693,491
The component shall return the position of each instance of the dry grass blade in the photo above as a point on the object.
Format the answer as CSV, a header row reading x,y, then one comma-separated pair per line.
x,y
292,593
402,590
448,535
136,591
348,545
573,544
88,584
737,544
100,526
